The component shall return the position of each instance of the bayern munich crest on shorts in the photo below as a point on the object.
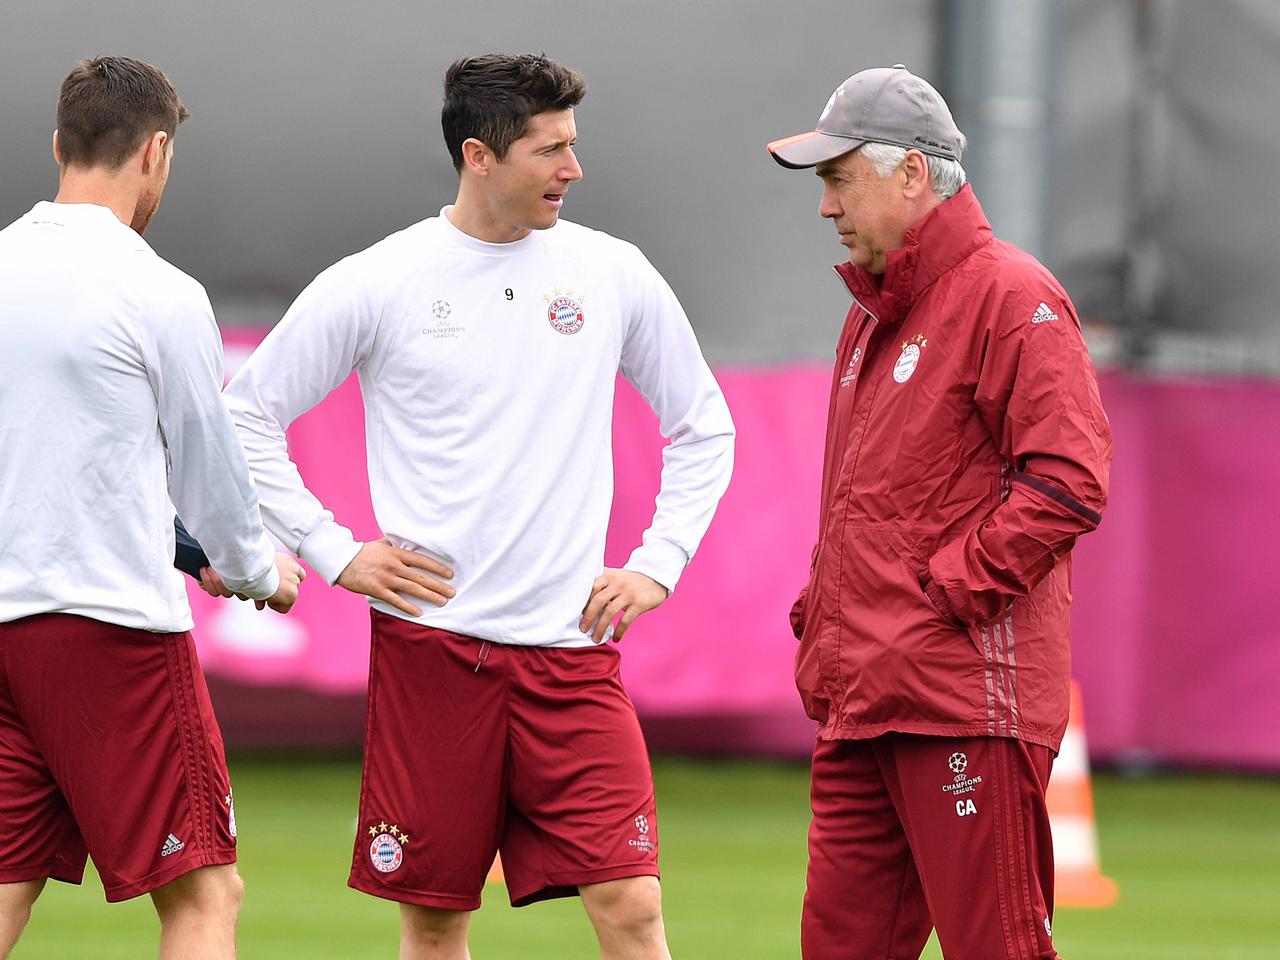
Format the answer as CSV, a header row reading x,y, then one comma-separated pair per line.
x,y
385,853
386,850
565,314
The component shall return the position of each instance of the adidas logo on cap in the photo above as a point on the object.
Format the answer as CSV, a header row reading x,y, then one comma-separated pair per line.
x,y
171,845
1043,314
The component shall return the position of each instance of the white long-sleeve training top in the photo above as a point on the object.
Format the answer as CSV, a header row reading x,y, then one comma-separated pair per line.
x,y
488,372
110,413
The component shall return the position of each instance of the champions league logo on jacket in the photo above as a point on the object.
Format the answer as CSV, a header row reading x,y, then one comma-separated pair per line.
x,y
564,311
852,372
386,850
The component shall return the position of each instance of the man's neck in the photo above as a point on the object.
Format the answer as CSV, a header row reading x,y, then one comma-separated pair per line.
x,y
104,188
474,217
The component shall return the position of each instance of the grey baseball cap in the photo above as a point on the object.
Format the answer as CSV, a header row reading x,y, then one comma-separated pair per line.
x,y
881,105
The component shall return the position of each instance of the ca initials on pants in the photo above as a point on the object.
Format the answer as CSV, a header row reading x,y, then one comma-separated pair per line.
x,y
965,807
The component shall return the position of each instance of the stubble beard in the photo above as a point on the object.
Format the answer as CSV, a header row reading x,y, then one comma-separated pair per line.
x,y
146,208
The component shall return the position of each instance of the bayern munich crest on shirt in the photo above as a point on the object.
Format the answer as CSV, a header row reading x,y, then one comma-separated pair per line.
x,y
386,849
564,311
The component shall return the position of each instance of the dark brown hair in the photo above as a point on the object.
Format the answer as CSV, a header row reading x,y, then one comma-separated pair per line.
x,y
493,98
109,106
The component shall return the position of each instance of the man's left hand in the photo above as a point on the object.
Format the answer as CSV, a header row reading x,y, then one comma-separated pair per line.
x,y
617,592
211,582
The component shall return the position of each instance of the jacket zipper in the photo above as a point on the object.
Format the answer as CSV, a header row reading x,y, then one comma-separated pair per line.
x,y
816,573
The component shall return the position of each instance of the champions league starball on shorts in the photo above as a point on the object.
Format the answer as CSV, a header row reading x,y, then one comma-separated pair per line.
x,y
115,754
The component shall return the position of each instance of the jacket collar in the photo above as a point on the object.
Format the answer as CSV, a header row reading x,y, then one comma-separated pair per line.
x,y
946,235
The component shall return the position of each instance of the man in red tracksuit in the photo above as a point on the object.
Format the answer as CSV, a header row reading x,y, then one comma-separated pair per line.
x,y
966,451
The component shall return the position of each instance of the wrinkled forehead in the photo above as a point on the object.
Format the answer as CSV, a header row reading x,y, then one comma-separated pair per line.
x,y
849,163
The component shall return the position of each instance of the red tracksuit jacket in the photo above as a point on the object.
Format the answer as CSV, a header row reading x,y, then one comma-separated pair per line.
x,y
966,451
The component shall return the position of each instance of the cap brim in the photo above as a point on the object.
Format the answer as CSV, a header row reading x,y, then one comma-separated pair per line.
x,y
810,149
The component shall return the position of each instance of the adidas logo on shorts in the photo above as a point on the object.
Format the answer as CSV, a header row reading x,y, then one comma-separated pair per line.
x,y
171,845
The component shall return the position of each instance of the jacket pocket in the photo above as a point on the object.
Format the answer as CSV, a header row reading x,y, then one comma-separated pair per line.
x,y
937,598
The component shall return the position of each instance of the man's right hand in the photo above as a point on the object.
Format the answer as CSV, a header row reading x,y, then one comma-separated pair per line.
x,y
384,572
291,574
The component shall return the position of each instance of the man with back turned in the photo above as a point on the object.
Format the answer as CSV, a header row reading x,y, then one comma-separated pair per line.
x,y
110,415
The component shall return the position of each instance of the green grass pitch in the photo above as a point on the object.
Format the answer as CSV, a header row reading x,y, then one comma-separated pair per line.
x,y
1196,859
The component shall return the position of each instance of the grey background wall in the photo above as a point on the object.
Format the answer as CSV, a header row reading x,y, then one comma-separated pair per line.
x,y
315,132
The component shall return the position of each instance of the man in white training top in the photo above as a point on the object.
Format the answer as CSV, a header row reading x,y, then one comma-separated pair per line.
x,y
110,414
487,341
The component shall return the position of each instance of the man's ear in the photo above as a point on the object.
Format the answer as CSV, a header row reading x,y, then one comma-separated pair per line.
x,y
57,154
153,151
476,157
915,172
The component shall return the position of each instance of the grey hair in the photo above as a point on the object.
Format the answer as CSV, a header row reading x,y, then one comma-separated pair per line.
x,y
946,177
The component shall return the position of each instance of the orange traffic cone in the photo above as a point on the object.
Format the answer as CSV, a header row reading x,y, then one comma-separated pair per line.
x,y
1078,881
495,872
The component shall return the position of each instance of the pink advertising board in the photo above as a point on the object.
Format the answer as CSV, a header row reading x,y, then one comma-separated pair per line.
x,y
1176,642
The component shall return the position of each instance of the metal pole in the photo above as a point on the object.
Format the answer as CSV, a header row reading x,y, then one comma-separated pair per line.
x,y
1148,135
1000,68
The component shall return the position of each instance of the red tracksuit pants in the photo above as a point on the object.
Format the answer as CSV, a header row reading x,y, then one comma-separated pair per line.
x,y
912,833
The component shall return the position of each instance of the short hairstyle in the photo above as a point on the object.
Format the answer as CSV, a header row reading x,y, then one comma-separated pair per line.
x,y
493,98
109,106
946,177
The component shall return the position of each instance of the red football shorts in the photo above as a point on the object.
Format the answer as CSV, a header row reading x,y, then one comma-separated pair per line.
x,y
910,833
474,747
108,746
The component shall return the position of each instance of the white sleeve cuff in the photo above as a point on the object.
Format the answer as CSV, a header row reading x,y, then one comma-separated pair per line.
x,y
328,549
659,559
261,587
